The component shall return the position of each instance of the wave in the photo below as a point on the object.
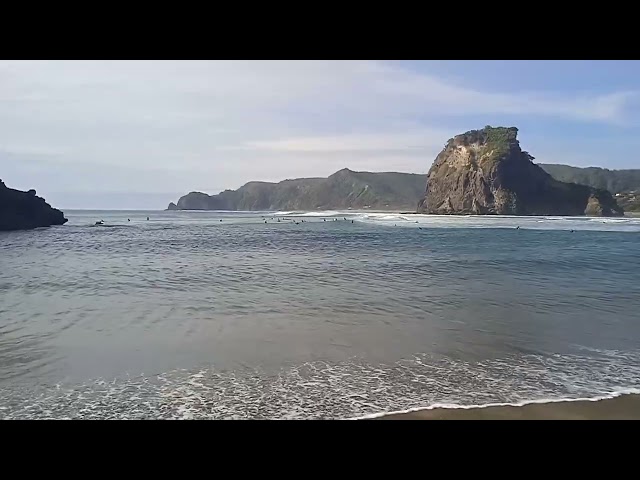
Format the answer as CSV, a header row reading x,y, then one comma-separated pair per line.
x,y
324,213
453,406
612,220
501,221
358,390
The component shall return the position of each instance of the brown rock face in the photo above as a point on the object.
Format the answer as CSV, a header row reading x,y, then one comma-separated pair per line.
x,y
484,172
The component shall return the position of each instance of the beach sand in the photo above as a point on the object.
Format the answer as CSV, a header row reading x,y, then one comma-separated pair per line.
x,y
624,407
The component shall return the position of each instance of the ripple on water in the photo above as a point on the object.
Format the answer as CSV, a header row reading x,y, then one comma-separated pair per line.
x,y
494,311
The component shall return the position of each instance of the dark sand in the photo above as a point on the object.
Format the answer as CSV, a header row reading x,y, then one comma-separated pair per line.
x,y
624,407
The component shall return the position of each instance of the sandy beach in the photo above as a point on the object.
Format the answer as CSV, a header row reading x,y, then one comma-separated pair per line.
x,y
624,407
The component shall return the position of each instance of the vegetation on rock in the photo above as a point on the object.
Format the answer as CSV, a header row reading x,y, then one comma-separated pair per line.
x,y
485,172
343,189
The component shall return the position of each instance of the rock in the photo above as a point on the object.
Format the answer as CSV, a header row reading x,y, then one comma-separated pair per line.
x,y
485,172
25,211
172,206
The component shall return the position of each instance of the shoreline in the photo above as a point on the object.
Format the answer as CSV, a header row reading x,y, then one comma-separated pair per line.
x,y
622,406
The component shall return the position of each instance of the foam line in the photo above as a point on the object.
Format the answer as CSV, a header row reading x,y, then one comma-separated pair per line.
x,y
450,406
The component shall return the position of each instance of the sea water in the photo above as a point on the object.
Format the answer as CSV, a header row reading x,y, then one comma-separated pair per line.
x,y
342,315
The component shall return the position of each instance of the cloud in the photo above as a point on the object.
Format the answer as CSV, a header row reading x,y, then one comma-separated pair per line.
x,y
371,142
220,124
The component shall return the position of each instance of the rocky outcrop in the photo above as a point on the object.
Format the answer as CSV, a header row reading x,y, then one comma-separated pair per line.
x,y
172,206
485,172
344,189
25,210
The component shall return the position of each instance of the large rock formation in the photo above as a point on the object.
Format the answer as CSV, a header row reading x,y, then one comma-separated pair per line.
x,y
25,211
344,189
484,172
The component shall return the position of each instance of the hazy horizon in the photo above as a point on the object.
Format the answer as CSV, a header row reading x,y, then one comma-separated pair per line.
x,y
140,134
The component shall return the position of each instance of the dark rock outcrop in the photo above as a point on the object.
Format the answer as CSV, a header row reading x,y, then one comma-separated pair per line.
x,y
344,189
172,206
484,172
25,211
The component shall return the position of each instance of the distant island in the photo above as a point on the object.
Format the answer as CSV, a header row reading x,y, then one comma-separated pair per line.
x,y
25,210
535,191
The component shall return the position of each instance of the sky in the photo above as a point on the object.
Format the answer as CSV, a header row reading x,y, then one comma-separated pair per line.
x,y
139,134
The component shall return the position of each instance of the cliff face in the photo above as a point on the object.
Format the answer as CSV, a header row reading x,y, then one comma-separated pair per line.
x,y
615,181
25,211
484,172
344,189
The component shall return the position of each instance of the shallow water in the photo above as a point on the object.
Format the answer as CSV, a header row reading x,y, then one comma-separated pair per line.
x,y
187,316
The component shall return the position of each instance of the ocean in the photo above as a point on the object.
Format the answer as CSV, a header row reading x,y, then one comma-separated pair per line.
x,y
217,315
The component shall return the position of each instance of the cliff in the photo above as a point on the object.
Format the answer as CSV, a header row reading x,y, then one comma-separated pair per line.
x,y
625,184
25,211
485,172
344,189
615,181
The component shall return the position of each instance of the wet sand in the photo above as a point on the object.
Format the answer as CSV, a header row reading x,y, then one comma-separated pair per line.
x,y
624,407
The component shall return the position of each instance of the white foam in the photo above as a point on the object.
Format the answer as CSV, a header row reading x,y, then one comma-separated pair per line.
x,y
325,213
354,389
453,406
501,221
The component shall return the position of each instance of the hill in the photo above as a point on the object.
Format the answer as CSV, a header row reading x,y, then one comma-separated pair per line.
x,y
344,189
624,183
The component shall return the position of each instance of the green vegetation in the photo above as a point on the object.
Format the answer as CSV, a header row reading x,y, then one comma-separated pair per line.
x,y
615,181
498,140
344,189
624,184
629,201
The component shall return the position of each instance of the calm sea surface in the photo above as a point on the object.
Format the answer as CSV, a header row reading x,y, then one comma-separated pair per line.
x,y
187,316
